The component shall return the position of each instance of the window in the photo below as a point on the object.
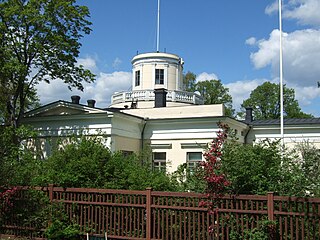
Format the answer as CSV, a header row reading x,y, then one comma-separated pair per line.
x,y
159,161
137,78
193,159
159,76
126,153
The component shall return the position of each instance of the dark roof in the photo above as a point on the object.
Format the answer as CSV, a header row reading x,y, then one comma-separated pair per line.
x,y
112,109
59,101
288,121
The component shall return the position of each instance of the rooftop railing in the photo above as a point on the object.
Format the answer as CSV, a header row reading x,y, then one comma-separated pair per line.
x,y
148,95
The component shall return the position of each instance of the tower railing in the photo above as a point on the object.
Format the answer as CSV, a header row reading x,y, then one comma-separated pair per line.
x,y
148,95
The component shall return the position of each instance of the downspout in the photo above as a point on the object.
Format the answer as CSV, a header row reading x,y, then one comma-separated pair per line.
x,y
142,132
245,137
248,120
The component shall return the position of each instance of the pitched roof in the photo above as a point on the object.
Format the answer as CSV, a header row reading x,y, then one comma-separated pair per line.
x,y
288,121
48,108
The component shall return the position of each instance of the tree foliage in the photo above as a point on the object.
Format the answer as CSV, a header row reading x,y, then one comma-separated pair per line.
x,y
17,163
216,181
189,81
310,167
39,42
87,162
215,93
212,91
265,167
265,101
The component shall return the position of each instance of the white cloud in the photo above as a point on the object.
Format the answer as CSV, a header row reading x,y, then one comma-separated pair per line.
x,y
251,41
88,63
101,90
56,90
206,76
272,8
268,51
116,63
305,12
301,56
109,83
305,95
241,90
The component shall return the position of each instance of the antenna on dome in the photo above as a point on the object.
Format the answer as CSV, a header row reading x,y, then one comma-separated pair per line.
x,y
158,26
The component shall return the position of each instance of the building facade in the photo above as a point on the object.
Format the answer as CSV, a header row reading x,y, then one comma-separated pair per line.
x,y
160,114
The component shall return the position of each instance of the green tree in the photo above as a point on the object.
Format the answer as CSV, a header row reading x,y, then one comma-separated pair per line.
x,y
189,81
214,92
265,101
39,42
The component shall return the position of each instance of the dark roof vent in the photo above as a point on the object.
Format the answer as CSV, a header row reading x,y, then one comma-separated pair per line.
x,y
134,104
249,117
91,103
160,98
75,99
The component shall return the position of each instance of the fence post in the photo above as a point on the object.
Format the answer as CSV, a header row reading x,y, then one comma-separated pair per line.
x,y
148,213
270,205
50,188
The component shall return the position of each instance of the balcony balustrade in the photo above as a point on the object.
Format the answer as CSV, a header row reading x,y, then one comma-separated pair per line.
x,y
148,95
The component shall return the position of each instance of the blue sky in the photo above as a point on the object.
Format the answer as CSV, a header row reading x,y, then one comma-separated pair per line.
x,y
235,41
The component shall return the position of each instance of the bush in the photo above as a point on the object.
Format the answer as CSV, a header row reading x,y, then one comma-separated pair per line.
x,y
60,226
134,173
78,164
86,162
310,167
261,168
17,163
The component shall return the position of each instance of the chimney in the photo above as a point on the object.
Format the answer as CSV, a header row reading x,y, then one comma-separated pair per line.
x,y
160,98
91,103
249,117
75,99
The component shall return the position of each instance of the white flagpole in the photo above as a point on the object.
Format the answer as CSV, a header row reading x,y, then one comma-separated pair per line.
x,y
281,75
158,26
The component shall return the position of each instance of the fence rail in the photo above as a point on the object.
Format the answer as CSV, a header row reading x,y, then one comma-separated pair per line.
x,y
123,214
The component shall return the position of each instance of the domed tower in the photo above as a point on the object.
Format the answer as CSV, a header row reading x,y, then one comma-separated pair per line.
x,y
152,73
157,70
157,81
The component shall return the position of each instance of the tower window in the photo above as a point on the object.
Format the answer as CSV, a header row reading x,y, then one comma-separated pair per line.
x,y
137,78
159,76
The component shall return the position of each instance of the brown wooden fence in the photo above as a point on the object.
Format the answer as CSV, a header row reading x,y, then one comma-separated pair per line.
x,y
122,214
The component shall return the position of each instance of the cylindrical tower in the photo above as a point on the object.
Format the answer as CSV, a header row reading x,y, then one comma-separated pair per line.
x,y
157,70
151,71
